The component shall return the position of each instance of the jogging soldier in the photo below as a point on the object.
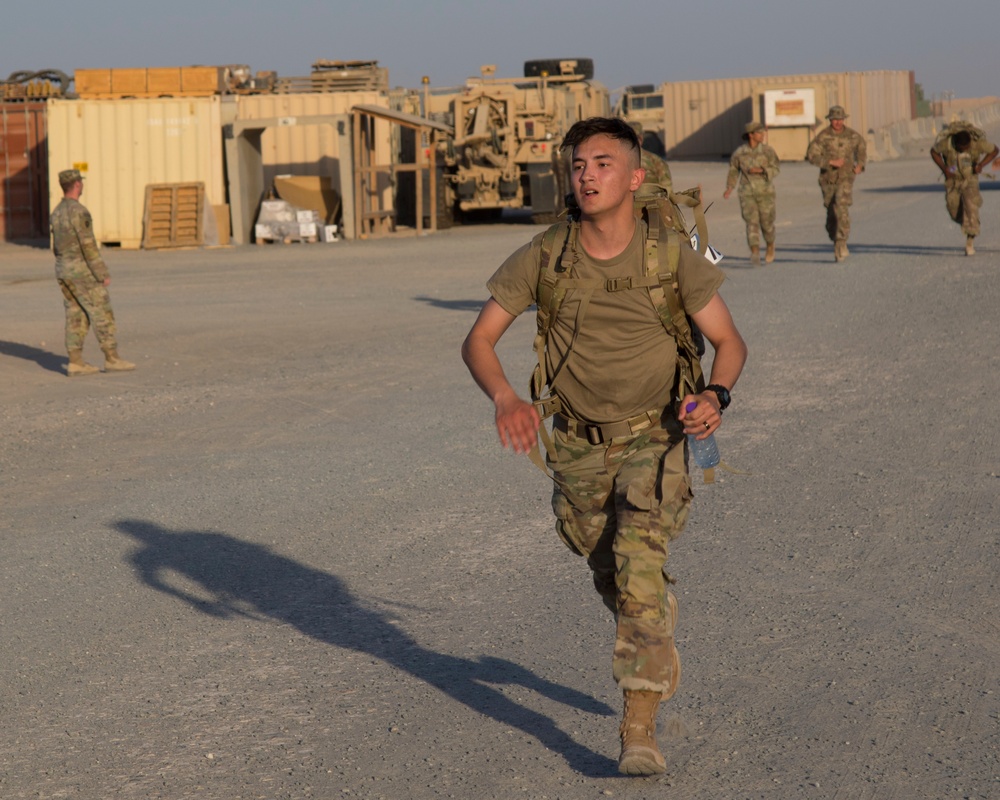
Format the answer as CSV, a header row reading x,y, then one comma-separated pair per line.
x,y
83,278
754,166
622,490
961,152
841,154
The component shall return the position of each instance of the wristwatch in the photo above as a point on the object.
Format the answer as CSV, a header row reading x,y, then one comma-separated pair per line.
x,y
722,393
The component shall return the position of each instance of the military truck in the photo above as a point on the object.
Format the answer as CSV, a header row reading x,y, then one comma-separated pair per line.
x,y
504,152
643,103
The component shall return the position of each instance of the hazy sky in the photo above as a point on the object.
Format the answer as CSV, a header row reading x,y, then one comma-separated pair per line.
x,y
630,42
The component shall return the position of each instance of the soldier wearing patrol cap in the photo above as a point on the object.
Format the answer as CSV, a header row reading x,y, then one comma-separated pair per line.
x,y
754,165
841,154
83,278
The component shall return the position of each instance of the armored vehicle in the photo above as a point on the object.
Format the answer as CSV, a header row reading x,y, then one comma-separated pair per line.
x,y
505,149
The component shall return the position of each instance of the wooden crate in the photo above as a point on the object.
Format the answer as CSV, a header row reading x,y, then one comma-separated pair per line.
x,y
174,215
163,81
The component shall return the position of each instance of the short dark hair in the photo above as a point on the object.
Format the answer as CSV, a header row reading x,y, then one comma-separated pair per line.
x,y
594,126
961,139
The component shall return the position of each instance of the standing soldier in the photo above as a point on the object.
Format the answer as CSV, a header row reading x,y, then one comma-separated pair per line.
x,y
657,169
83,278
840,153
754,165
961,152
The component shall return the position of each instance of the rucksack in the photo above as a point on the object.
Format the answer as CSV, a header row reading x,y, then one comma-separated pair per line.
x,y
666,234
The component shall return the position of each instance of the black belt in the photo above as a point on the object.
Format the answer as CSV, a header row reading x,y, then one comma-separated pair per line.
x,y
599,434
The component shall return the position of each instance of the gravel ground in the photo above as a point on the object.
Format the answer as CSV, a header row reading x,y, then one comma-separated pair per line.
x,y
286,557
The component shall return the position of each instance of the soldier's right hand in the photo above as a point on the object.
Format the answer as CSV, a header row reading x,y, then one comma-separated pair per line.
x,y
517,423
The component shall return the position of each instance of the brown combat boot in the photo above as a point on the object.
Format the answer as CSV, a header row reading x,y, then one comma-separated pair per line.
x,y
970,250
77,366
840,250
769,255
640,755
115,363
755,256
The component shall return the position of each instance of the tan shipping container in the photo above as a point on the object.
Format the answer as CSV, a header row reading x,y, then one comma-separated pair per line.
x,y
705,119
293,149
121,146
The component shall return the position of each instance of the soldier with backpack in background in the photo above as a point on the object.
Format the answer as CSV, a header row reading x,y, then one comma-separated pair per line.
x,y
613,290
961,152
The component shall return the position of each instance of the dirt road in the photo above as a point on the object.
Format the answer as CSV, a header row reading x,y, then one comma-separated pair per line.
x,y
286,557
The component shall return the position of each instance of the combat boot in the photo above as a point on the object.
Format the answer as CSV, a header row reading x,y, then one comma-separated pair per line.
x,y
755,256
970,250
77,366
640,755
840,250
115,363
769,255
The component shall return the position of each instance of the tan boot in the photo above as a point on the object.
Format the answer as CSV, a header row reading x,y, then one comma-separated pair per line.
x,y
77,366
755,256
115,363
840,251
640,755
769,255
970,250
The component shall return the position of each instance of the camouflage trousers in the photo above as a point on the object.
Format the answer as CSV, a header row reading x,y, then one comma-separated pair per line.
x,y
963,201
758,208
87,303
837,197
619,504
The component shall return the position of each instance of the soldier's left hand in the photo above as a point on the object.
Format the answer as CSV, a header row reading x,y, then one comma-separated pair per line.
x,y
705,418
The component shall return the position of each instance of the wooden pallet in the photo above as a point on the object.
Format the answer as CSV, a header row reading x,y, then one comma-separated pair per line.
x,y
174,217
287,240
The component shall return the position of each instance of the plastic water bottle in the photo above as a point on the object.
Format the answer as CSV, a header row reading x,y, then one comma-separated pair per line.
x,y
705,452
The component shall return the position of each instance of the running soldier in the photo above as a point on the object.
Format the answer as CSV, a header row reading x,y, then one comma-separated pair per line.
x,y
961,153
841,154
622,490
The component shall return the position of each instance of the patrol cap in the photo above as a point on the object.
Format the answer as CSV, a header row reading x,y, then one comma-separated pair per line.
x,y
752,127
69,176
837,112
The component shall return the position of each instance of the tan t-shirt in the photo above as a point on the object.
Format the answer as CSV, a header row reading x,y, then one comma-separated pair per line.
x,y
623,361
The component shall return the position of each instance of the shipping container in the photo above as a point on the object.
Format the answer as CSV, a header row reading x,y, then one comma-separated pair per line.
x,y
24,193
705,119
122,146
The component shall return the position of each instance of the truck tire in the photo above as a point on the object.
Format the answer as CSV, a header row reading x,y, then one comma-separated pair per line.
x,y
534,69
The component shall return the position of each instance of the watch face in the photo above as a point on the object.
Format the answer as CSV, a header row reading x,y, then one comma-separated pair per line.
x,y
723,394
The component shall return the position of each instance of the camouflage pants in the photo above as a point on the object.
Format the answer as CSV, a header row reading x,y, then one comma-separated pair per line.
x,y
619,504
837,197
758,207
87,303
963,201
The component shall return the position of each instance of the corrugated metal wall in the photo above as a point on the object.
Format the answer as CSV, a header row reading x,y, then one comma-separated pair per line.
x,y
123,145
24,191
706,118
310,149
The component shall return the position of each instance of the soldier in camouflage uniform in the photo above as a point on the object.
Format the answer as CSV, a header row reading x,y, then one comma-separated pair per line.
x,y
83,278
657,169
961,152
841,154
622,490
754,166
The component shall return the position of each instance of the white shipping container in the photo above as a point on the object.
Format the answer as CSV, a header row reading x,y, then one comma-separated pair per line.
x,y
120,146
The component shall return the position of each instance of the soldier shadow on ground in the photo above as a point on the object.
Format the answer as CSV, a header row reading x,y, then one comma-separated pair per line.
x,y
858,248
451,305
985,185
44,359
245,580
